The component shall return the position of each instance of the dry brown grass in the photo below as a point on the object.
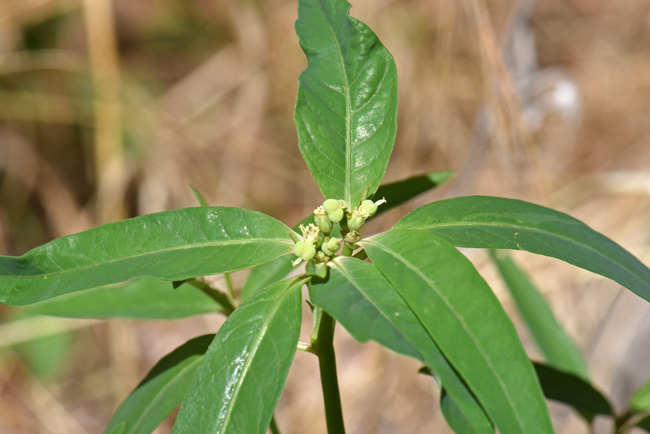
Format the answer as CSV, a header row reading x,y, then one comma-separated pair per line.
x,y
206,92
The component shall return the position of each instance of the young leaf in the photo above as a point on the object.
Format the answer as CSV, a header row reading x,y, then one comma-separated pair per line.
x,y
556,346
460,312
497,223
358,296
640,401
239,382
572,390
396,193
161,390
171,245
346,108
144,299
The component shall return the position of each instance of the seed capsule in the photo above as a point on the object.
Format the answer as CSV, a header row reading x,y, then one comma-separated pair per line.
x,y
304,251
370,207
331,205
331,247
337,215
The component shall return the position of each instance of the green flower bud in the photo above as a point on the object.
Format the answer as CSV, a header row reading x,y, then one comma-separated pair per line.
x,y
311,234
370,207
331,247
353,237
357,219
322,220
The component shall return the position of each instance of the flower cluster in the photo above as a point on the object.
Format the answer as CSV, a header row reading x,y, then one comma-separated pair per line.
x,y
316,242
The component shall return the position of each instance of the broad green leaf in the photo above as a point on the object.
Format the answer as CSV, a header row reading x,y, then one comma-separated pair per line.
x,y
267,274
358,296
171,245
462,315
145,299
162,389
572,390
556,346
239,382
640,401
396,193
498,223
346,108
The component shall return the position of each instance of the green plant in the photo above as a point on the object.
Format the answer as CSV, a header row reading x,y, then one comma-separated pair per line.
x,y
408,289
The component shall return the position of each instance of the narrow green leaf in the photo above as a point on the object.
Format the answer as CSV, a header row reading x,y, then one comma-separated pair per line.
x,y
144,299
358,296
118,429
498,223
200,198
556,346
644,424
46,355
640,401
239,382
171,245
267,274
572,390
161,390
399,192
346,108
460,312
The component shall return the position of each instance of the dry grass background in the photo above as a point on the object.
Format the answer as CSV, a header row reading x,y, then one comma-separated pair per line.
x,y
109,108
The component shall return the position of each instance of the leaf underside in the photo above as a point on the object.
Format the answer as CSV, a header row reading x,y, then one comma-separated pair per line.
x,y
498,223
162,389
171,245
142,299
346,108
240,379
460,312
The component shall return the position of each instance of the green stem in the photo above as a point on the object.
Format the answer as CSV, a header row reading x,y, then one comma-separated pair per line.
x,y
230,291
328,377
347,250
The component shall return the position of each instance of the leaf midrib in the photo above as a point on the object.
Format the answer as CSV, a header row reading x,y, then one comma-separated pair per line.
x,y
348,108
460,319
253,351
151,252
520,227
157,396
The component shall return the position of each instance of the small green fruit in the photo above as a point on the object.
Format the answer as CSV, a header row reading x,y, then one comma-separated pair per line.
x,y
331,205
337,215
331,247
304,251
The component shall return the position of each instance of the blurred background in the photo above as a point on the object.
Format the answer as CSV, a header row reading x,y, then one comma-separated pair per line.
x,y
110,108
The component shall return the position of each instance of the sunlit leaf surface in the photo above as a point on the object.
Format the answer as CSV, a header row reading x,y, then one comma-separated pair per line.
x,y
346,108
462,315
171,245
239,382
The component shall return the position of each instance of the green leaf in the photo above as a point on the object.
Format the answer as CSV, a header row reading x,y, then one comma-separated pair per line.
x,y
46,355
556,346
200,198
267,274
460,312
346,108
644,424
397,193
171,245
118,429
458,420
640,401
572,390
161,390
358,296
144,299
497,223
239,382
